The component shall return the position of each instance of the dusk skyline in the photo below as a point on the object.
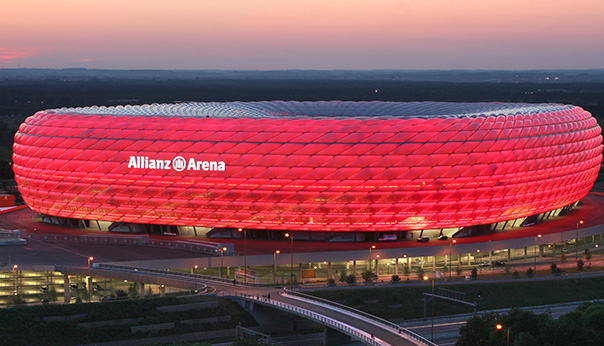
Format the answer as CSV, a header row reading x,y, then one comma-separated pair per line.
x,y
267,34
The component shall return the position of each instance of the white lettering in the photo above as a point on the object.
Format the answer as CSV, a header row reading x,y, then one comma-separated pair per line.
x,y
178,164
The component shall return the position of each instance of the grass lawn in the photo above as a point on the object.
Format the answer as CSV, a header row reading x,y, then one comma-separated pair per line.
x,y
401,301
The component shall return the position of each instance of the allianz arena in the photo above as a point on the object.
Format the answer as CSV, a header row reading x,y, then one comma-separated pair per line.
x,y
308,166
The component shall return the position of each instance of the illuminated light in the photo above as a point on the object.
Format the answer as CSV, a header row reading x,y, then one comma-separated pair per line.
x,y
520,165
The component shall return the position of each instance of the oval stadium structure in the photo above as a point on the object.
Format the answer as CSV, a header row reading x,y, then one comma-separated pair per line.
x,y
318,166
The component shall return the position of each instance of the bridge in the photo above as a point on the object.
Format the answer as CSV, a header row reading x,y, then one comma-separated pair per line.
x,y
340,320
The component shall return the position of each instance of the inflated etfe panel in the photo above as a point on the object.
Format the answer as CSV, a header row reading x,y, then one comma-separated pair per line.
x,y
325,166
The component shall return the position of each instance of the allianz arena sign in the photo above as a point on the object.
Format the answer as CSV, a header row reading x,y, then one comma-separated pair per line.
x,y
178,164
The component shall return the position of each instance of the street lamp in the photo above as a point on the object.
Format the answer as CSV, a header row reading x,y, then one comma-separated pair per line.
x,y
195,269
500,327
577,240
535,253
291,268
15,279
432,301
244,254
370,248
450,255
90,259
275,266
222,259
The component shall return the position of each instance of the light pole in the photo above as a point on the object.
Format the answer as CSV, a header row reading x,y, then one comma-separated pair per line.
x,y
244,254
370,248
432,303
90,259
500,327
577,240
450,255
222,259
15,279
291,268
275,266
535,253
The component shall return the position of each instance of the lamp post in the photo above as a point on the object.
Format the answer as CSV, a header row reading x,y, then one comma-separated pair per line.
x,y
478,260
450,255
15,279
500,327
222,259
90,259
244,254
291,273
577,240
275,266
432,303
370,248
195,269
535,253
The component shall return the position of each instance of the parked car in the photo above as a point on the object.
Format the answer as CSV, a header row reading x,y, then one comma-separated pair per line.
x,y
499,263
442,237
484,264
423,240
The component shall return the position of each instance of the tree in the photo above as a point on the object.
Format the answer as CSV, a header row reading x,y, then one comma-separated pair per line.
x,y
406,271
479,330
587,254
530,272
580,264
343,276
474,274
420,273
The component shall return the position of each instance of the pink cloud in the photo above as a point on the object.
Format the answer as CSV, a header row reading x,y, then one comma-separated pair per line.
x,y
11,54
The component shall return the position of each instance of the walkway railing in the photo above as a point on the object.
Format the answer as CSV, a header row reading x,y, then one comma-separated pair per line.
x,y
342,327
395,327
176,273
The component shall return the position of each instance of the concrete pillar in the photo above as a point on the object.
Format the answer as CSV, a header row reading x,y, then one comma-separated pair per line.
x,y
491,257
89,287
329,270
434,264
409,263
396,266
525,253
540,251
66,288
162,291
377,270
354,268
423,261
299,272
509,254
469,259
141,289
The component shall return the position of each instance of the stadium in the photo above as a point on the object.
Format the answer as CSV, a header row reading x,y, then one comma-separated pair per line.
x,y
359,170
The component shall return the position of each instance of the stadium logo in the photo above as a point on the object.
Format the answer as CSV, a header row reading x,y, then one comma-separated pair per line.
x,y
178,164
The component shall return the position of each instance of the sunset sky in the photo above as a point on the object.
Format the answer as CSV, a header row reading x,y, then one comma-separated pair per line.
x,y
302,34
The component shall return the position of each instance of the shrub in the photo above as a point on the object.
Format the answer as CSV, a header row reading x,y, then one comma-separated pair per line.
x,y
350,279
530,272
515,275
553,268
580,264
458,270
343,276
331,282
368,276
396,278
474,274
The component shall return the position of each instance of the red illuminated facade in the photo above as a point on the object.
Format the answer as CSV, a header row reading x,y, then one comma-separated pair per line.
x,y
325,166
